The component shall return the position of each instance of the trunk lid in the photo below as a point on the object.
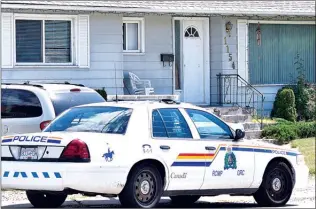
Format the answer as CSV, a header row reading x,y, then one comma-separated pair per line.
x,y
49,146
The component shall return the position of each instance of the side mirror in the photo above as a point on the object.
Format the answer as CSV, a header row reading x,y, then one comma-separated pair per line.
x,y
239,134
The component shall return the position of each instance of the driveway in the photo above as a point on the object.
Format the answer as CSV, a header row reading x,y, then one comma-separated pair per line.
x,y
302,198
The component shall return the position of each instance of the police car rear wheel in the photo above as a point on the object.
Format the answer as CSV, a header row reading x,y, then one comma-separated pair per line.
x,y
184,200
277,186
45,200
143,188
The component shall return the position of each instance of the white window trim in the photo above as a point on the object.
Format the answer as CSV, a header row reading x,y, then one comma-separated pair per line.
x,y
141,34
74,35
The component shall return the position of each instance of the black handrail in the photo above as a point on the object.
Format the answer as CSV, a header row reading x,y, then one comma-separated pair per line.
x,y
234,90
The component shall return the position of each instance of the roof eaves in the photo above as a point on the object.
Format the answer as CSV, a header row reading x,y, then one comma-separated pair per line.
x,y
155,10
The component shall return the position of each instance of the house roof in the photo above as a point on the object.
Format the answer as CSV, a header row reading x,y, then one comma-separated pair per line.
x,y
292,8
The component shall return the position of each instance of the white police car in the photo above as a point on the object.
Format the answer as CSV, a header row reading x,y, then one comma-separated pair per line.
x,y
140,151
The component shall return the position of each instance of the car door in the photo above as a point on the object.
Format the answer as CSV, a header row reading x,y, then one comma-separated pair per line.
x,y
231,163
178,148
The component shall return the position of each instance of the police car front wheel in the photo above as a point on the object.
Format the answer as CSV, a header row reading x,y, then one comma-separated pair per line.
x,y
277,186
45,200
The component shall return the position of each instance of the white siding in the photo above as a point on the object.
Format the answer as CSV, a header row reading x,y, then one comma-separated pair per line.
x,y
158,40
105,49
7,40
221,46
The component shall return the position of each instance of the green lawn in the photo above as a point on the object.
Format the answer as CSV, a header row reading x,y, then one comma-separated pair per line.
x,y
307,148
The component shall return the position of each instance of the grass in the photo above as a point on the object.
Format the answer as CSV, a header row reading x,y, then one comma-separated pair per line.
x,y
265,120
307,148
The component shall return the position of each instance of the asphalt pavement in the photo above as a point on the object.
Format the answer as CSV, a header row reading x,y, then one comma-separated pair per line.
x,y
301,198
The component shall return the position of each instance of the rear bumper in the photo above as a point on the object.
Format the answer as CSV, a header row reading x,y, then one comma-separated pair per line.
x,y
85,177
301,176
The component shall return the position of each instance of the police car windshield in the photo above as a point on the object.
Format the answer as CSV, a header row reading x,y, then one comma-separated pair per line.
x,y
93,119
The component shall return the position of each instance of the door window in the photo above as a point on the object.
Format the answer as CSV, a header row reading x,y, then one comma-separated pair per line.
x,y
209,126
17,103
169,122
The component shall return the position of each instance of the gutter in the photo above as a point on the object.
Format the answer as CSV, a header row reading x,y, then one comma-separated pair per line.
x,y
145,10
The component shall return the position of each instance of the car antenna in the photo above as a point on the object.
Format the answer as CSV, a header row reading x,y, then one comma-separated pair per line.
x,y
115,81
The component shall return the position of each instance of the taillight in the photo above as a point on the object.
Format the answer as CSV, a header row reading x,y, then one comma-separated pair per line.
x,y
44,124
76,151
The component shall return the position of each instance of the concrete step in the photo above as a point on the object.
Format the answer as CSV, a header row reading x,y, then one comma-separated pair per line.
x,y
236,118
253,134
251,126
226,110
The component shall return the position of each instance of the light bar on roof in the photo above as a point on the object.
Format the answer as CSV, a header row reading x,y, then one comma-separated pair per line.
x,y
142,97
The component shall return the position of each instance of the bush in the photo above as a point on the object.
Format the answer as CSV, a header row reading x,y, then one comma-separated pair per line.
x,y
286,132
284,105
305,94
103,93
305,101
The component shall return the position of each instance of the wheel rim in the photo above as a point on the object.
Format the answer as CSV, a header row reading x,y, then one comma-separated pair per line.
x,y
145,188
278,185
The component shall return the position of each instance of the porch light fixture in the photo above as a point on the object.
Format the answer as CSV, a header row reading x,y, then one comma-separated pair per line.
x,y
229,27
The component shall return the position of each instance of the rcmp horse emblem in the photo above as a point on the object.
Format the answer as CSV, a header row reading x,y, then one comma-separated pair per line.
x,y
230,160
109,155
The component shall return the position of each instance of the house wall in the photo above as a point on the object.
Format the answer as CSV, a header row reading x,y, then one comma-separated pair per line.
x,y
222,47
158,40
220,62
105,50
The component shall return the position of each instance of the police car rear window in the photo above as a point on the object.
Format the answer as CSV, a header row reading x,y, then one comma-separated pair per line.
x,y
93,119
18,103
64,101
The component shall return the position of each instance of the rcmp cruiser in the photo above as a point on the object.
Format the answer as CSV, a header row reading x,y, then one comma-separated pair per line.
x,y
98,149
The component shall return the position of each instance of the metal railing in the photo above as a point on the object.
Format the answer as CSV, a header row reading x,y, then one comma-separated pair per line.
x,y
233,90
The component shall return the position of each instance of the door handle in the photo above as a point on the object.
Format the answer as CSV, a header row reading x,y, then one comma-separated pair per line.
x,y
165,147
210,148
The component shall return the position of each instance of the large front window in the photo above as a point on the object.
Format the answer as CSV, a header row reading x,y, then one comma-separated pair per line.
x,y
43,41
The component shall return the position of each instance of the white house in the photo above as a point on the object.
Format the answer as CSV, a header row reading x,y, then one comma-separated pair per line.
x,y
88,41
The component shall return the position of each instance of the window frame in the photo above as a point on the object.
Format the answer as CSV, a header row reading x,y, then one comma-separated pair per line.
x,y
74,35
194,133
140,21
208,139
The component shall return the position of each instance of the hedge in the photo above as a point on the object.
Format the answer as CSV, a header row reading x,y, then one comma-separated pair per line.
x,y
285,132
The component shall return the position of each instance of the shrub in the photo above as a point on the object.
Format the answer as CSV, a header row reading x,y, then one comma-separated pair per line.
x,y
304,93
288,131
281,132
284,105
103,93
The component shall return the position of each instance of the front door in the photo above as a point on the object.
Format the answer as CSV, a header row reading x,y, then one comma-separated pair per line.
x,y
193,62
231,164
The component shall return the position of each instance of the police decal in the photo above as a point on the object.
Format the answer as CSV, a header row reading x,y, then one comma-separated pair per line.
x,y
108,156
230,160
147,148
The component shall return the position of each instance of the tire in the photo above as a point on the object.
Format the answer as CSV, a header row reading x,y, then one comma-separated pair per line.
x,y
143,189
276,187
45,200
184,200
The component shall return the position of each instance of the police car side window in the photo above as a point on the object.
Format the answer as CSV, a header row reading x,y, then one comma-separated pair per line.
x,y
18,103
169,122
209,126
